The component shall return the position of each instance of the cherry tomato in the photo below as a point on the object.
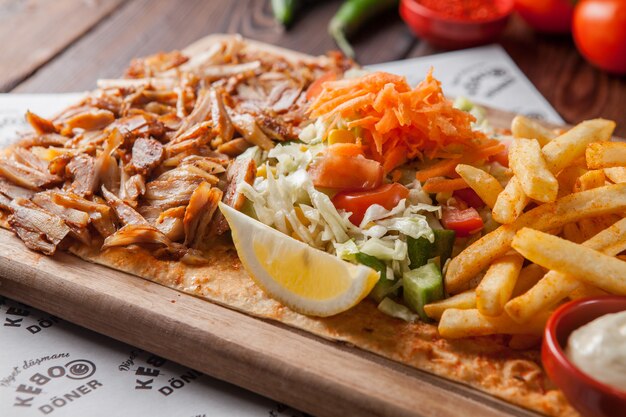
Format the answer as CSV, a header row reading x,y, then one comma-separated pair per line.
x,y
463,222
470,197
341,172
600,33
550,16
388,196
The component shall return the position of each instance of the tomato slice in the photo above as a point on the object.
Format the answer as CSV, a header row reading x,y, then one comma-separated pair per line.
x,y
388,196
340,172
463,222
316,86
470,197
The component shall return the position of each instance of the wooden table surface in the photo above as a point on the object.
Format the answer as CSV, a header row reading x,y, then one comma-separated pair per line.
x,y
65,45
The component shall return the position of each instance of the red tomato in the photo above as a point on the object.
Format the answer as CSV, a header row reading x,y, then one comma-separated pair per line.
x,y
551,16
341,172
463,222
357,203
470,197
316,86
600,33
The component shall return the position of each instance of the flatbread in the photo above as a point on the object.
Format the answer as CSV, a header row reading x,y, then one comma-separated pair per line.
x,y
485,363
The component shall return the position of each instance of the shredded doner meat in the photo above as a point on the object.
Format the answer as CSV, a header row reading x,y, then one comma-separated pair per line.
x,y
144,160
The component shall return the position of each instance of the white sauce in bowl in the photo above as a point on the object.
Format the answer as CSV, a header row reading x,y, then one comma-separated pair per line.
x,y
599,349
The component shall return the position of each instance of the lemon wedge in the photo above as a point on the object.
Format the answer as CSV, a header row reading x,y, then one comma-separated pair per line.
x,y
303,278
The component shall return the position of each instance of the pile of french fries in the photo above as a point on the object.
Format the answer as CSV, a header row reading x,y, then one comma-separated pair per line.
x,y
563,227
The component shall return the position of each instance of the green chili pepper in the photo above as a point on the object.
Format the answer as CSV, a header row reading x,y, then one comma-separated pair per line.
x,y
351,16
285,10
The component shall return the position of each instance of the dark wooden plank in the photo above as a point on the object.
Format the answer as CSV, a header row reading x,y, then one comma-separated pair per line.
x,y
146,26
34,31
573,87
306,372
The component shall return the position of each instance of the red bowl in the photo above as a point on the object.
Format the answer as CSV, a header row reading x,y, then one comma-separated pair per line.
x,y
590,397
454,33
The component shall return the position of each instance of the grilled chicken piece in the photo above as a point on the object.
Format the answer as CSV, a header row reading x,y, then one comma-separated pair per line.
x,y
13,191
125,213
26,176
46,139
234,147
129,124
5,203
99,213
106,166
247,127
221,122
199,214
76,220
200,113
83,170
146,235
131,188
220,71
26,157
170,223
94,119
146,155
136,234
240,170
41,125
38,229
71,216
155,64
170,193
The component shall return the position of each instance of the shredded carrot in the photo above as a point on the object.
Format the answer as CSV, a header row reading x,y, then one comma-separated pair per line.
x,y
345,149
438,169
401,122
442,185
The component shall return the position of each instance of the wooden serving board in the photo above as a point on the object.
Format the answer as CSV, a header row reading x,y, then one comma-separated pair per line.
x,y
304,371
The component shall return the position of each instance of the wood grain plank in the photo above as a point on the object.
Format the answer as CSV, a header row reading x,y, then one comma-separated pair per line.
x,y
144,27
573,87
34,31
306,372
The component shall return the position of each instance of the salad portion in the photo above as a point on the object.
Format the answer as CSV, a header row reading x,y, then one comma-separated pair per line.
x,y
373,180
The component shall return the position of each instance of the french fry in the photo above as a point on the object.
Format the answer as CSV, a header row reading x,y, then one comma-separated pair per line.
x,y
564,149
590,179
567,179
510,202
616,174
528,165
572,232
523,127
484,184
497,285
582,262
528,277
463,301
586,290
605,154
591,226
476,257
457,323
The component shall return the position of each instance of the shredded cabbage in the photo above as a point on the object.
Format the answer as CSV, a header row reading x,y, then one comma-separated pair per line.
x,y
393,309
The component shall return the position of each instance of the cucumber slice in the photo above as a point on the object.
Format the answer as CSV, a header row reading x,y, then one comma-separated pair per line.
x,y
444,242
421,250
422,286
384,286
